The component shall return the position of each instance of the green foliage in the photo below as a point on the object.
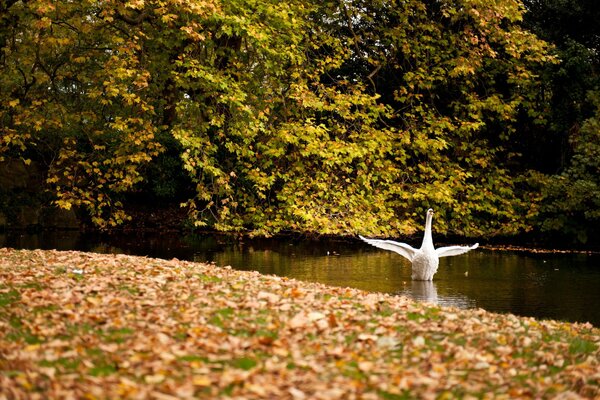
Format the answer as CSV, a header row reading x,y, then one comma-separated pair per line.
x,y
457,75
572,26
571,200
317,153
72,89
566,150
317,117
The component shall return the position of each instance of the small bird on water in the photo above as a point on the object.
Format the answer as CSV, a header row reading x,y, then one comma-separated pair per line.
x,y
425,260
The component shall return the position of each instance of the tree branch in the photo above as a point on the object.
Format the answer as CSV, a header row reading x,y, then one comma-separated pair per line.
x,y
141,17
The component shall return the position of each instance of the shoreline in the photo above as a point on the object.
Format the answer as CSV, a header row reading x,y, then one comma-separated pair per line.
x,y
493,244
117,326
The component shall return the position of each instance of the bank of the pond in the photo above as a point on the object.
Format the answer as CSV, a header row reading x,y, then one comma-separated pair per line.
x,y
85,325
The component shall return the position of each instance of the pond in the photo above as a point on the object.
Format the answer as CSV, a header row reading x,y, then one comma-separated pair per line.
x,y
542,285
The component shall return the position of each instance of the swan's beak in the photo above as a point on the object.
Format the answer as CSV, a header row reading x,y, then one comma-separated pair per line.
x,y
430,211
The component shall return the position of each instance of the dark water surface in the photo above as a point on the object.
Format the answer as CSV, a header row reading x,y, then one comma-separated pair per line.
x,y
558,286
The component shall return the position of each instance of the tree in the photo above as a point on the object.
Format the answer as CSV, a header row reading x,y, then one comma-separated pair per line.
x,y
75,94
330,117
571,199
567,146
458,75
572,27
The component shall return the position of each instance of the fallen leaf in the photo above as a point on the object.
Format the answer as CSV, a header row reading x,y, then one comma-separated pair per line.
x,y
152,379
269,297
201,380
297,394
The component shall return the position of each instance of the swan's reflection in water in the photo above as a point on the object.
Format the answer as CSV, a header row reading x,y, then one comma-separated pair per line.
x,y
426,291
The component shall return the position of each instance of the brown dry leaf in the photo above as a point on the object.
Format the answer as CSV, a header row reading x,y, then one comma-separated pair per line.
x,y
268,296
134,327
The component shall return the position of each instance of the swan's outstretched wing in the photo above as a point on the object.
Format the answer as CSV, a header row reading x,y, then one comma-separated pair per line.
x,y
403,249
454,250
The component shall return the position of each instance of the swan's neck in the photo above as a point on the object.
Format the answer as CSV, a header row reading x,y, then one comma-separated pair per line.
x,y
427,239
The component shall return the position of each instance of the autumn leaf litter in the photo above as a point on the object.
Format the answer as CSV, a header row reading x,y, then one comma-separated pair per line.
x,y
83,325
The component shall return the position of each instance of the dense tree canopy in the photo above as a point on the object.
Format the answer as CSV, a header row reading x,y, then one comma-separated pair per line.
x,y
326,117
568,144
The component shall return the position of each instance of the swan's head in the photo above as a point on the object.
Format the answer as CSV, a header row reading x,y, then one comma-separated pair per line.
x,y
428,220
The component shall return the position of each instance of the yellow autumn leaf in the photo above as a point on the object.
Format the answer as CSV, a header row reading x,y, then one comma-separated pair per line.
x,y
201,380
153,379
94,300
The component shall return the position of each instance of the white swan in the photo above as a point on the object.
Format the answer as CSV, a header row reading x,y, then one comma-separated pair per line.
x,y
425,260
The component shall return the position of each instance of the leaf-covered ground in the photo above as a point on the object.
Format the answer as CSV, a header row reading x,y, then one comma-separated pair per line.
x,y
82,325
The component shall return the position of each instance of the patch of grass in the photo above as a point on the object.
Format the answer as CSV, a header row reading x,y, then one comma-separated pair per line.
x,y
244,363
94,352
208,278
261,321
216,321
225,312
251,332
553,369
15,322
11,373
44,309
65,364
265,333
191,298
220,315
117,335
398,351
19,332
435,342
228,390
579,346
385,311
25,335
428,313
193,358
405,395
414,316
549,338
527,356
102,369
351,370
350,338
460,340
32,285
77,277
103,366
432,313
72,330
61,269
9,298
129,289
180,335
